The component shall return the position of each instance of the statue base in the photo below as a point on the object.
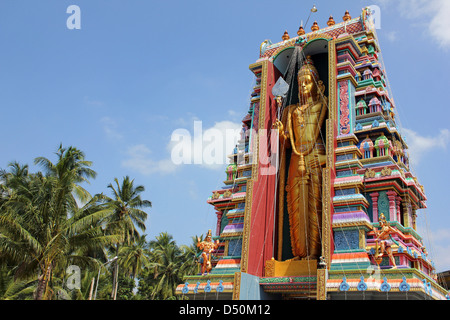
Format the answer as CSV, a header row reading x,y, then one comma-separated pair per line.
x,y
290,268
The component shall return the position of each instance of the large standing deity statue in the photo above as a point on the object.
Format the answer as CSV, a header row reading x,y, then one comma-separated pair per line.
x,y
299,130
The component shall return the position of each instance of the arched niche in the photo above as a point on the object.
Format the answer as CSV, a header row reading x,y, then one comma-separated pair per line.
x,y
313,47
318,49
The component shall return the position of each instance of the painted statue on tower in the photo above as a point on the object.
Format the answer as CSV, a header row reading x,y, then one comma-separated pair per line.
x,y
384,241
207,246
302,148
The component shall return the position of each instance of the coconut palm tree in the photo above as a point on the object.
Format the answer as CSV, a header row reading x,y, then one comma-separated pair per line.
x,y
134,258
127,215
71,170
190,257
42,227
14,290
127,206
166,264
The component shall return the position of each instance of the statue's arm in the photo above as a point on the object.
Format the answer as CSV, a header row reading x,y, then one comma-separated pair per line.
x,y
282,133
392,230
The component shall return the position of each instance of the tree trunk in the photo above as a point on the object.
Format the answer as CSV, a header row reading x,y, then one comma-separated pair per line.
x,y
117,283
115,275
42,283
92,288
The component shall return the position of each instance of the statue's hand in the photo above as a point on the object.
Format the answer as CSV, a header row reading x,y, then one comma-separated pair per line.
x,y
322,159
278,125
279,101
317,161
313,162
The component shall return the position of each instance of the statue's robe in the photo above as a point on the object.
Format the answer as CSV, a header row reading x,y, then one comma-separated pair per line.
x,y
303,188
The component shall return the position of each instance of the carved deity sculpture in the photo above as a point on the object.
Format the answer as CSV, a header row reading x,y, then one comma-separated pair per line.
x,y
207,246
384,240
299,130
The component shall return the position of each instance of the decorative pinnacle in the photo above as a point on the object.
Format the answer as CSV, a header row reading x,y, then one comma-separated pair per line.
x,y
301,31
331,21
347,16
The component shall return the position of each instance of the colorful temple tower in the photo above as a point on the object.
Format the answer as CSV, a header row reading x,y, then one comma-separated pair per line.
x,y
319,201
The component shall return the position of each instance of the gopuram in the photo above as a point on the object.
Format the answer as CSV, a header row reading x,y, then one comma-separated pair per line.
x,y
318,201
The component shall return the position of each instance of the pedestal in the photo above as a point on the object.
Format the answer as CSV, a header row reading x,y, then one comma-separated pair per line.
x,y
290,268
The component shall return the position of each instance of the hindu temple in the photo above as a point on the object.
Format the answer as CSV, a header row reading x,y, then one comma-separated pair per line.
x,y
318,199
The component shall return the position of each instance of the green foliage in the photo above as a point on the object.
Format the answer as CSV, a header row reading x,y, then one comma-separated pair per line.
x,y
44,229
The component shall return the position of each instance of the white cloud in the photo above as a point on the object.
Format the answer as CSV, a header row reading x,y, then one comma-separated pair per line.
x,y
440,23
432,15
420,145
205,147
438,247
193,190
110,128
233,113
93,102
139,160
392,36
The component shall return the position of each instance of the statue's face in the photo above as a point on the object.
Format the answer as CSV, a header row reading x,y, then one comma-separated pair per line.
x,y
307,86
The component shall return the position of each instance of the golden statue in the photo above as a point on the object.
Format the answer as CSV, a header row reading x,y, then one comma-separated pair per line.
x,y
299,130
207,246
384,241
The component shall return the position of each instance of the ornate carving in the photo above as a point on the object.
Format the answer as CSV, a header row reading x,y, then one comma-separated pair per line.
x,y
344,120
370,173
385,172
332,79
247,226
322,277
215,195
362,286
326,215
362,238
227,193
346,239
237,286
383,202
270,268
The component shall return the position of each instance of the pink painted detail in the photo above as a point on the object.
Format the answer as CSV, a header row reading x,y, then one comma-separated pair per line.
x,y
375,206
392,210
343,104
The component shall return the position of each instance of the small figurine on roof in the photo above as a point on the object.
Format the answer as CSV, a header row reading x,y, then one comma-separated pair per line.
x,y
384,241
207,246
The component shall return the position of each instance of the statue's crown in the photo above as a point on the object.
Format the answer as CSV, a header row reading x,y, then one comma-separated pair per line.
x,y
308,68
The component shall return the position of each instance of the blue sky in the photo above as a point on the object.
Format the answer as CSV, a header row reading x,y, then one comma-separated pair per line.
x,y
138,70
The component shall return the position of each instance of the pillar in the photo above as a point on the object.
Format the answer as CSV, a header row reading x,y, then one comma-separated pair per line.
x,y
406,215
398,202
219,220
374,197
414,216
392,209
